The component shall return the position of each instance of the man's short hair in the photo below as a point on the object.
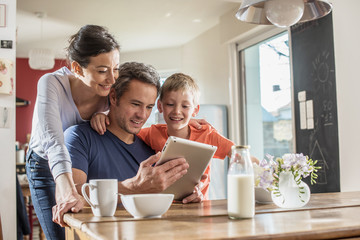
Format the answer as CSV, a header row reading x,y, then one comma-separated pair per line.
x,y
134,70
183,82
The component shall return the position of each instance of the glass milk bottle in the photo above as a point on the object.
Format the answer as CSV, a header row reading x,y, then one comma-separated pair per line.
x,y
240,192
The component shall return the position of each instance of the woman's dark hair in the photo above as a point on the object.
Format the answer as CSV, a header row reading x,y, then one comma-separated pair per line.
x,y
90,41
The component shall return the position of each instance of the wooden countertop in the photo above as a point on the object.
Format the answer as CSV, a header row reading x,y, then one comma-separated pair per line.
x,y
326,216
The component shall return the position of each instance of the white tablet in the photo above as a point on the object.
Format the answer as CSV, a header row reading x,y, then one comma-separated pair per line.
x,y
198,156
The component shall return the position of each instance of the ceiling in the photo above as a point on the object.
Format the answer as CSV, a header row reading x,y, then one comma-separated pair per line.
x,y
136,24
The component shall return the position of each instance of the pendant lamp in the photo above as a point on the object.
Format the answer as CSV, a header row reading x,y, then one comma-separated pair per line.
x,y
282,13
41,58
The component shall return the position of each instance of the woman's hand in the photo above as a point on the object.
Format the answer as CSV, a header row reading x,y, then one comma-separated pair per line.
x,y
99,121
67,198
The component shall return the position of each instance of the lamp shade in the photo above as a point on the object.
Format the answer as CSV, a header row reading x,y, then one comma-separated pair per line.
x,y
253,11
41,59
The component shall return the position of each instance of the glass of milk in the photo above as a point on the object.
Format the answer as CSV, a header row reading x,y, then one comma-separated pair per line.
x,y
240,191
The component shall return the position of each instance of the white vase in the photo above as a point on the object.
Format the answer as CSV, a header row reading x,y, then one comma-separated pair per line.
x,y
290,194
262,196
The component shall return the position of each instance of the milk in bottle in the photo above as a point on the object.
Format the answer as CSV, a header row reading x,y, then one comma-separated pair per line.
x,y
240,192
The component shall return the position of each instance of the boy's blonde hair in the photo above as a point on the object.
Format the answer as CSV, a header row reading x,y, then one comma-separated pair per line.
x,y
183,82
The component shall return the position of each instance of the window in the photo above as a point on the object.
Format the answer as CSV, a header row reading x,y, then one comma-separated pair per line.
x,y
267,110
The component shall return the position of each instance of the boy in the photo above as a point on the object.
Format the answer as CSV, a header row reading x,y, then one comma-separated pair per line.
x,y
178,102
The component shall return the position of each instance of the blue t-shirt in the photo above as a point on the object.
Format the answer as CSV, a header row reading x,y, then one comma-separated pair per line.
x,y
104,156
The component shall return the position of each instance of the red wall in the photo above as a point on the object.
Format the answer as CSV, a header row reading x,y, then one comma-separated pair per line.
x,y
26,88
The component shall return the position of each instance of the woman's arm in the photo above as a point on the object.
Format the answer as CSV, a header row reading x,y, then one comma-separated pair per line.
x,y
53,113
49,123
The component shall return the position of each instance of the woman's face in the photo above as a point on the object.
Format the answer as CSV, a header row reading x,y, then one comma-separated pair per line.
x,y
101,72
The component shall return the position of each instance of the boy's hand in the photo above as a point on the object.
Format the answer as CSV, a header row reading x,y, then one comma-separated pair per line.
x,y
255,160
197,123
99,121
197,195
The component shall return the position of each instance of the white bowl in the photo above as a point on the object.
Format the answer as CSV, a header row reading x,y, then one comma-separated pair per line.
x,y
262,196
147,205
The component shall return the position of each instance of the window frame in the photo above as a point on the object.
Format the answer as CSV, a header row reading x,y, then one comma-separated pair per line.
x,y
237,76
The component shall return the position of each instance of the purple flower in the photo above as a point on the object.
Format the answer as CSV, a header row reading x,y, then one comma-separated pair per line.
x,y
268,170
264,163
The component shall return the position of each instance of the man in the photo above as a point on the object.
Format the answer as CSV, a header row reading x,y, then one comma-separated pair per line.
x,y
119,153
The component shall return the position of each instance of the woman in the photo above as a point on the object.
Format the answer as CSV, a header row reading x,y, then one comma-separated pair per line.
x,y
66,98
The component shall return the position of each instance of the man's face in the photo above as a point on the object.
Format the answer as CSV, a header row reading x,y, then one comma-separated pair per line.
x,y
133,108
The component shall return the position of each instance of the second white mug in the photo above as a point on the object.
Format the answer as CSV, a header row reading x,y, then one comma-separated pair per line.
x,y
103,196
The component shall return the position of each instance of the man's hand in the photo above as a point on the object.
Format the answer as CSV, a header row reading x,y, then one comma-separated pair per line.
x,y
99,121
197,195
154,179
67,198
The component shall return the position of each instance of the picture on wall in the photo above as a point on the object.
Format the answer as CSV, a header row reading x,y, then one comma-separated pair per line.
x,y
6,76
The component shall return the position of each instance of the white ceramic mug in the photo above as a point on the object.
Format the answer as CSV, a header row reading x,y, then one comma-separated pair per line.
x,y
20,156
103,196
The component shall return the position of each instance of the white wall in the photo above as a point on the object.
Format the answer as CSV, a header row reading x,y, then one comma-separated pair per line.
x,y
164,60
7,135
347,52
206,60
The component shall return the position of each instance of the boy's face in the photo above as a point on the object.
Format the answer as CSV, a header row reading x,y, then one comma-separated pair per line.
x,y
178,107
